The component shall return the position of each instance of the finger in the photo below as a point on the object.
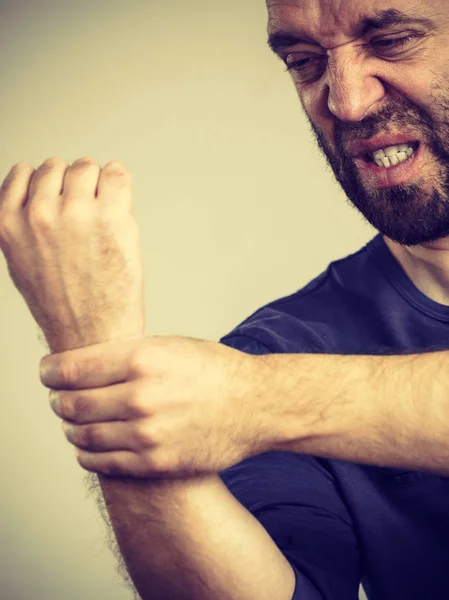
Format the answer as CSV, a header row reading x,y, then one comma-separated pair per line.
x,y
115,464
81,180
115,184
104,437
89,367
46,182
111,403
14,188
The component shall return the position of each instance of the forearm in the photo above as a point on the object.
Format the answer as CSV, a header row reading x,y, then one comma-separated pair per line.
x,y
383,410
191,539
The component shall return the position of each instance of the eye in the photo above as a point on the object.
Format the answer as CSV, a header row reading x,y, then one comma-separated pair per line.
x,y
304,62
307,67
395,42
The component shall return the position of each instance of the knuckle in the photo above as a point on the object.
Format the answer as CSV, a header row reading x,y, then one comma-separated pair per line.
x,y
67,373
160,462
17,171
54,160
21,166
137,402
78,408
118,172
149,462
94,436
138,360
84,163
143,435
79,438
66,408
113,468
115,166
50,164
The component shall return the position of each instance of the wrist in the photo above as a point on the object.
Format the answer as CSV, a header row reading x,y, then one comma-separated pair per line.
x,y
66,342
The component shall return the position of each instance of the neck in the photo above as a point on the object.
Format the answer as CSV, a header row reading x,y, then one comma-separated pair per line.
x,y
426,265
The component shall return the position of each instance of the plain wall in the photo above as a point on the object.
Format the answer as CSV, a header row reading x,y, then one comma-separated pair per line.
x,y
234,201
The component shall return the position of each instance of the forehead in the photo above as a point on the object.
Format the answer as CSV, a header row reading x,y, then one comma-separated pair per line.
x,y
335,21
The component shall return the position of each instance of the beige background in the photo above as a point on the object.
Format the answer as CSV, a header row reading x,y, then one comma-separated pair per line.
x,y
234,202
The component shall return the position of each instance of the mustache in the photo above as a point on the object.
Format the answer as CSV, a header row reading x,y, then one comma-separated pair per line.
x,y
392,118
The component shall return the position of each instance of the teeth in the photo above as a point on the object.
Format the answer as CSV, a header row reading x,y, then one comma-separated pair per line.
x,y
392,155
392,150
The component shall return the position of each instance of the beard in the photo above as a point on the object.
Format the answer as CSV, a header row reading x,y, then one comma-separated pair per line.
x,y
412,213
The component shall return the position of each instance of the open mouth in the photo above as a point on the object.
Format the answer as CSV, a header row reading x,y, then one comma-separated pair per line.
x,y
392,156
392,166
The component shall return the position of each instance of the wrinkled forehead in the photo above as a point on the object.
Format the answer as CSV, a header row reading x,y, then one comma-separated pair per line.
x,y
320,18
336,21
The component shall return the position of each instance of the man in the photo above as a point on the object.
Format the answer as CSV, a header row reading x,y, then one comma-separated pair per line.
x,y
372,78
288,525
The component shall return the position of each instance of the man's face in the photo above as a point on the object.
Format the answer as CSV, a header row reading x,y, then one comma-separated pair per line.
x,y
355,84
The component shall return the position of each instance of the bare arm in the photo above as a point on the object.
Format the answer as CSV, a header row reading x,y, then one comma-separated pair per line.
x,y
192,540
385,410
390,411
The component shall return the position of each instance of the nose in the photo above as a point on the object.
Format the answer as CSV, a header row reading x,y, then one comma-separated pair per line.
x,y
353,87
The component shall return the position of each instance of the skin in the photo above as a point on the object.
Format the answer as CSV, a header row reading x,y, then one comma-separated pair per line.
x,y
358,90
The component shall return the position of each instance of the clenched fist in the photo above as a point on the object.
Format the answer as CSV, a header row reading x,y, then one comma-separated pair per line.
x,y
72,247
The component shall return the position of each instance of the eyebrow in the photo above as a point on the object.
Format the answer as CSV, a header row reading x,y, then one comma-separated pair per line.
x,y
280,40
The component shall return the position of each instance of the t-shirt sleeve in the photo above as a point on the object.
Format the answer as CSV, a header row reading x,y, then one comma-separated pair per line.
x,y
296,500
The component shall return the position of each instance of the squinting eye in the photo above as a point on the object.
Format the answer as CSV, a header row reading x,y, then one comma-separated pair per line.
x,y
394,42
299,64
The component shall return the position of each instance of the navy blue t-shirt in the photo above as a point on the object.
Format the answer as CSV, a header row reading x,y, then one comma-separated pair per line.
x,y
341,523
